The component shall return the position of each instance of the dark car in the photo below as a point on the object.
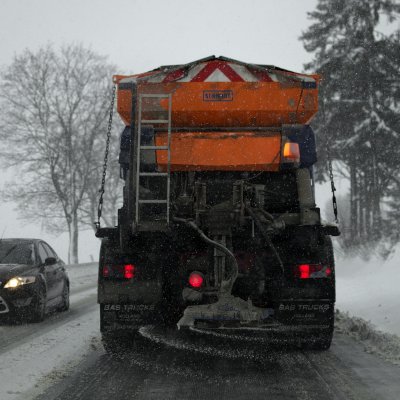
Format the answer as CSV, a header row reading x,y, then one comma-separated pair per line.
x,y
33,279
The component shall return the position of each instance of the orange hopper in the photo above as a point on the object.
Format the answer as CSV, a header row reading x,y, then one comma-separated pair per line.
x,y
226,114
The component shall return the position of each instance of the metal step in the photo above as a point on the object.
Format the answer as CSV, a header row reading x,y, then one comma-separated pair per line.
x,y
153,226
152,201
155,121
160,96
153,173
153,147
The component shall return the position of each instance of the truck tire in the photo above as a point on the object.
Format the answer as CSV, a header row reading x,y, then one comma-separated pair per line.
x,y
109,343
115,342
171,308
322,339
320,342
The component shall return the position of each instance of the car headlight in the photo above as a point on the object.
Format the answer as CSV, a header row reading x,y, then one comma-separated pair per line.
x,y
19,281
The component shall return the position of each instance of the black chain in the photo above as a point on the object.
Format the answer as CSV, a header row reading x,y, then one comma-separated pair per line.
x,y
333,188
334,202
103,178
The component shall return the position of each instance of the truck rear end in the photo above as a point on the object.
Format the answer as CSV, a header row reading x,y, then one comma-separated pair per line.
x,y
219,227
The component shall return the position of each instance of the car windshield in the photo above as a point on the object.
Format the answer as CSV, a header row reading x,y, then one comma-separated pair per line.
x,y
16,253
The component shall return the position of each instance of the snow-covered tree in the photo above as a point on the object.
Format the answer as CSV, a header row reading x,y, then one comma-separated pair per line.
x,y
53,115
359,110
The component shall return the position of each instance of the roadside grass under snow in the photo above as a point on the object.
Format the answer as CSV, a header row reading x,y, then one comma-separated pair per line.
x,y
368,300
370,290
385,345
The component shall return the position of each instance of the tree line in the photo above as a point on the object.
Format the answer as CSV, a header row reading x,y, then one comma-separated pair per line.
x,y
359,120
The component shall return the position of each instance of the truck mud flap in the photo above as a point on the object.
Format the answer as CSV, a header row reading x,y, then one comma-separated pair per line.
x,y
115,317
304,312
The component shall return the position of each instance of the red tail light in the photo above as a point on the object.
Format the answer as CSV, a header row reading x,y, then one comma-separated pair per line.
x,y
124,271
307,271
196,280
304,271
129,271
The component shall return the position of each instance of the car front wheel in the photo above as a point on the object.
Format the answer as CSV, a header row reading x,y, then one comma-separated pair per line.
x,y
39,305
65,298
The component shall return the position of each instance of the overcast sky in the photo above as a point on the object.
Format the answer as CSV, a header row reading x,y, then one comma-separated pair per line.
x,y
138,35
141,34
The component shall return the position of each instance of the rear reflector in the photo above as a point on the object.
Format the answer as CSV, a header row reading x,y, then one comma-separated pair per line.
x,y
106,271
307,271
124,271
196,280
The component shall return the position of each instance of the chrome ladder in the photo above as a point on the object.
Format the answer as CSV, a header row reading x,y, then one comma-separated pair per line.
x,y
153,225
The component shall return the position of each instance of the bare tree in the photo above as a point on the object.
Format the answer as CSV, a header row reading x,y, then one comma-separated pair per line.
x,y
54,109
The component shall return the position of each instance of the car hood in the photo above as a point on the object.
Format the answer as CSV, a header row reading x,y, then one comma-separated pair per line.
x,y
8,271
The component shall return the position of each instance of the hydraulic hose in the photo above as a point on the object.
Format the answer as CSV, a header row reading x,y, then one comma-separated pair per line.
x,y
226,286
266,214
263,231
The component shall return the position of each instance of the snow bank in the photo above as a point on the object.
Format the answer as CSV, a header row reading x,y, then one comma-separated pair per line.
x,y
30,368
82,275
386,345
370,290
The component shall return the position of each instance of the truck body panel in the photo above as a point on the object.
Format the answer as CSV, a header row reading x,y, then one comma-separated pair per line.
x,y
221,151
225,104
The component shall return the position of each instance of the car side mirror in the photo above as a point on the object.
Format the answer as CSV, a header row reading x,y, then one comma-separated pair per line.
x,y
50,261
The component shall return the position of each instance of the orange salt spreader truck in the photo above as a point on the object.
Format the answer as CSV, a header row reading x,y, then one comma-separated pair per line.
x,y
218,227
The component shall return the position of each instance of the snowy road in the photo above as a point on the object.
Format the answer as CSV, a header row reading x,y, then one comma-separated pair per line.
x,y
163,365
63,359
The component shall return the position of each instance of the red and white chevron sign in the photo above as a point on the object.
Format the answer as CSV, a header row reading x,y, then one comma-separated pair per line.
x,y
220,69
216,71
